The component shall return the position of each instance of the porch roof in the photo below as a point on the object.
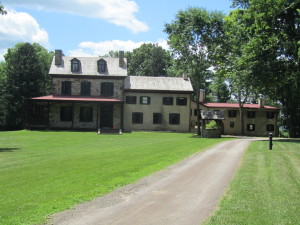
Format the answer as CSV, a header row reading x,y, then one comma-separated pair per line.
x,y
72,98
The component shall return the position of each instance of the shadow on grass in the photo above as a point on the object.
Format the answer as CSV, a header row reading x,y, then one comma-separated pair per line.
x,y
195,136
8,149
296,141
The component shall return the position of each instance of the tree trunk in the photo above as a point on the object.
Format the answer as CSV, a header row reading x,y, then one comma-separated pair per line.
x,y
198,114
242,119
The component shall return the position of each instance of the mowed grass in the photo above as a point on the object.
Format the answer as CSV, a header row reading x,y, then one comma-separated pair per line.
x,y
266,189
46,172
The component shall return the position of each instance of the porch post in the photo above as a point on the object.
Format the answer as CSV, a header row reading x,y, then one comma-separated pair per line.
x,y
48,115
122,115
73,114
98,116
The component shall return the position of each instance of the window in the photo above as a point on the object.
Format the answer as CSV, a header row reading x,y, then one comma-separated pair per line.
x,y
66,113
168,100
107,89
270,127
66,88
86,114
157,118
85,88
250,127
232,113
174,118
137,118
231,124
102,66
75,65
145,100
130,99
181,101
251,114
270,115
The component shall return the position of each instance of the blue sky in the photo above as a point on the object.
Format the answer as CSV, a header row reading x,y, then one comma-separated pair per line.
x,y
92,27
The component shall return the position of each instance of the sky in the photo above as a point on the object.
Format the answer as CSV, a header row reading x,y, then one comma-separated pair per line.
x,y
92,27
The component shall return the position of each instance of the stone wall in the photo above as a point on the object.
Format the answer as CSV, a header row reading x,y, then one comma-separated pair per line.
x,y
156,106
95,86
211,133
55,122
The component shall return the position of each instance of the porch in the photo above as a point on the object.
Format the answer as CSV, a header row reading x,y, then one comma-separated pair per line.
x,y
75,112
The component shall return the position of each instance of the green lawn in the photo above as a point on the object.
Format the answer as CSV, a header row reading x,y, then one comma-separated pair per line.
x,y
266,189
45,172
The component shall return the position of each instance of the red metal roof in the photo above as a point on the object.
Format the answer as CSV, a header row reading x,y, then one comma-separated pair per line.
x,y
75,98
236,105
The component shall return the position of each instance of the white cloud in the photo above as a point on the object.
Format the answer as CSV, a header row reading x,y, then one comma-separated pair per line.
x,y
102,48
20,27
118,12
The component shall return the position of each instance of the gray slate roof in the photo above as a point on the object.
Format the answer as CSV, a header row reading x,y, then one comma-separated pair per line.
x,y
136,83
88,66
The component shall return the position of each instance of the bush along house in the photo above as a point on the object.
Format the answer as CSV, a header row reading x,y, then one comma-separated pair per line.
x,y
95,93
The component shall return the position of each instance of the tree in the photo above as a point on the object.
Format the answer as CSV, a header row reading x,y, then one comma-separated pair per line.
x,y
2,11
3,81
148,60
230,63
193,37
26,68
219,90
111,54
272,52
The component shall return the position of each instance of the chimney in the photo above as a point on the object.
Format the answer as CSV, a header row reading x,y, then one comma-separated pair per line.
x,y
185,76
201,95
121,59
58,57
261,102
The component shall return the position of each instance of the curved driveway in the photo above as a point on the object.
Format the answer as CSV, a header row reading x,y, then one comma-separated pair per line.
x,y
183,194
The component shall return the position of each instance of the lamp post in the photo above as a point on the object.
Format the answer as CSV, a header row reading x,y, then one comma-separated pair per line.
x,y
270,141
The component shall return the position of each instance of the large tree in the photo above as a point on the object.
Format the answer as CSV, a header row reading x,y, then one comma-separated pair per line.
x,y
193,37
3,94
26,69
2,10
148,60
272,52
230,63
219,90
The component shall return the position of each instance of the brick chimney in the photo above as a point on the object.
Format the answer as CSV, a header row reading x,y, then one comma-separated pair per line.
x,y
201,95
58,57
121,59
261,102
185,76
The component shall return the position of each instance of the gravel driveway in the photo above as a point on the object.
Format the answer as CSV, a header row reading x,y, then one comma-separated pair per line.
x,y
183,194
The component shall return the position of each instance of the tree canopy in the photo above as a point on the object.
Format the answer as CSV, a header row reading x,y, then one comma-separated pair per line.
x,y
2,10
25,75
193,37
270,55
148,60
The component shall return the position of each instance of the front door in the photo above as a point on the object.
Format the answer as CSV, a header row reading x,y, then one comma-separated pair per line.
x,y
106,116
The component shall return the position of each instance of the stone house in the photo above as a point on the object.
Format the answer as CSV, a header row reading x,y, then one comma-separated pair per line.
x,y
157,103
259,119
96,93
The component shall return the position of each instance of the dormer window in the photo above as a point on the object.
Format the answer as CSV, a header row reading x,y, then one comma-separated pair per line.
x,y
75,65
102,66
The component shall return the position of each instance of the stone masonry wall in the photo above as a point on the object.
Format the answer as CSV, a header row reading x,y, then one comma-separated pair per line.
x,y
95,86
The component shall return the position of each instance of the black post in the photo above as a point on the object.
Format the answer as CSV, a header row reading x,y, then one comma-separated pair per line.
x,y
270,141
